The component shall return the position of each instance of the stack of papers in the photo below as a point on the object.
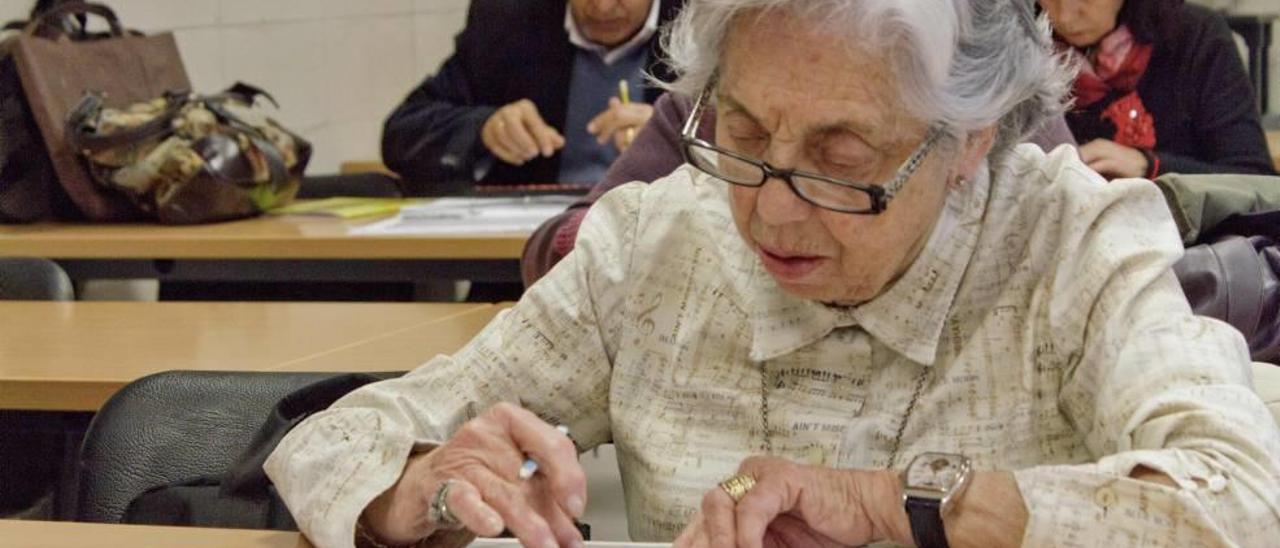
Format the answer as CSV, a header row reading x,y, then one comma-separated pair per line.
x,y
456,216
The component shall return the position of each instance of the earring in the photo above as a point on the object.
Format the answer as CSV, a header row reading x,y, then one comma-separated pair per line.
x,y
960,182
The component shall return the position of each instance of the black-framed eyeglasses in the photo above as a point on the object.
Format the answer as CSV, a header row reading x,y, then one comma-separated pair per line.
x,y
822,191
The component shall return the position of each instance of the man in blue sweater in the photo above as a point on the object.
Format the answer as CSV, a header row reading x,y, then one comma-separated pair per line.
x,y
530,94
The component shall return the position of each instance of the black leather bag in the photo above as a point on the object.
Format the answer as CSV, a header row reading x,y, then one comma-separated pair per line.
x,y
242,497
29,188
1237,279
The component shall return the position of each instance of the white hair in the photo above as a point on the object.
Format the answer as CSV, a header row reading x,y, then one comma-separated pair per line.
x,y
963,64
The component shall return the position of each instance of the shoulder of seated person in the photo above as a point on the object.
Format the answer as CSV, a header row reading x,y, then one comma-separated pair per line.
x,y
1060,176
1196,25
491,12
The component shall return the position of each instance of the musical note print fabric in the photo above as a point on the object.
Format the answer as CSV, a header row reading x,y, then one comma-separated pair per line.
x,y
1039,331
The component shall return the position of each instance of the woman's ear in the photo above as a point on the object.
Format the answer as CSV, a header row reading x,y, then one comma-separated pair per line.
x,y
973,151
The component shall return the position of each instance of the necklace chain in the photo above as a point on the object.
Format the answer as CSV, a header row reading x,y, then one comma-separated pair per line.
x,y
897,439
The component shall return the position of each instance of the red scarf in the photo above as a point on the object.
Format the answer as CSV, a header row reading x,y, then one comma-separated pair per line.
x,y
1117,65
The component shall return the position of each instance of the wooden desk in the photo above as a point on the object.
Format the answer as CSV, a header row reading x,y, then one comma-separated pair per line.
x,y
401,350
49,534
264,248
73,356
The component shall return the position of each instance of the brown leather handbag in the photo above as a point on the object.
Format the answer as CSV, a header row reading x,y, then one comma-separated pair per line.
x,y
185,159
123,68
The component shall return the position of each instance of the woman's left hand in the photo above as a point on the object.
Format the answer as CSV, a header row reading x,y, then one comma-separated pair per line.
x,y
1114,160
794,505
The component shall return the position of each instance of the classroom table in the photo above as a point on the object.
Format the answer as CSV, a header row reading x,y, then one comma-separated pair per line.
x,y
62,534
267,248
51,534
72,356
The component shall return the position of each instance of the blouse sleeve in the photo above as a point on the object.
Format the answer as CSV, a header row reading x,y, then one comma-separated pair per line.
x,y
1149,386
551,353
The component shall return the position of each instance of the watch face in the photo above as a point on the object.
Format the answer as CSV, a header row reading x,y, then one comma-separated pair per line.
x,y
935,471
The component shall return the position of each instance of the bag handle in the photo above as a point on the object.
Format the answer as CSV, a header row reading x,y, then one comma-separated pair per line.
x,y
91,104
75,8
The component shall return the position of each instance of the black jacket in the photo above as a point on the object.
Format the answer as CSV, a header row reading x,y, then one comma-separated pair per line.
x,y
1197,90
509,50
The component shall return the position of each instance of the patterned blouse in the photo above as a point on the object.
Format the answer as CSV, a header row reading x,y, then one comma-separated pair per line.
x,y
1039,331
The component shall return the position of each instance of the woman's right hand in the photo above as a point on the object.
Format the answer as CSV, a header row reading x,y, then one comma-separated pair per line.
x,y
483,460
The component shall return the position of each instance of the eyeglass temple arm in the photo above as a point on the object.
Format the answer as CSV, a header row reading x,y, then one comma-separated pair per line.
x,y
696,114
913,162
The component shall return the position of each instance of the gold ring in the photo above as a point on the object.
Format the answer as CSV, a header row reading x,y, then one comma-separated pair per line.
x,y
738,485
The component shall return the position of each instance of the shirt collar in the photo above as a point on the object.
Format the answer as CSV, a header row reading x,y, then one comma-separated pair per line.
x,y
611,55
907,318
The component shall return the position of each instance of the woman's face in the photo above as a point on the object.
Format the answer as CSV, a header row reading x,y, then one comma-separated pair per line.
x,y
1082,23
789,97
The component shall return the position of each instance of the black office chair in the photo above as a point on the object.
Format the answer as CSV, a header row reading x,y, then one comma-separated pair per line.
x,y
31,442
172,427
32,279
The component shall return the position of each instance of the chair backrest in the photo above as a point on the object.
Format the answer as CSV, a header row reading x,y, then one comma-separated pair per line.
x,y
172,427
32,279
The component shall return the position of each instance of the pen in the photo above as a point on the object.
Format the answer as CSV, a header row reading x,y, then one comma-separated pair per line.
x,y
530,466
624,95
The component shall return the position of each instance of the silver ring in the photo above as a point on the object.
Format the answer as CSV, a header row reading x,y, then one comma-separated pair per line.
x,y
439,512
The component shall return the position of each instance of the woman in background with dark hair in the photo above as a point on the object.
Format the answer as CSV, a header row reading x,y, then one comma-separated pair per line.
x,y
1161,89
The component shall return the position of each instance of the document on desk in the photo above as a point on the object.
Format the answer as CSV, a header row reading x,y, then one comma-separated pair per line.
x,y
448,216
509,543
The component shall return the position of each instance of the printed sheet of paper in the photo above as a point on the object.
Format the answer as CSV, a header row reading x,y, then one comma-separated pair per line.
x,y
508,543
470,216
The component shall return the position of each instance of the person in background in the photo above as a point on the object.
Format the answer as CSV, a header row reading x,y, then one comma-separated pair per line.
x,y
654,154
1161,89
530,94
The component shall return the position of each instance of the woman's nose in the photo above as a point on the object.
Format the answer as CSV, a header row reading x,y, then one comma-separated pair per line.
x,y
777,204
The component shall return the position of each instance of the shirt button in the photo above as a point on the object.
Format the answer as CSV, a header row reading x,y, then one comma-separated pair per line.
x,y
1104,497
1217,483
1133,114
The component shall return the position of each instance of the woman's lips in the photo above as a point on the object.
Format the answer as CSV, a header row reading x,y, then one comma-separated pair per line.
x,y
789,267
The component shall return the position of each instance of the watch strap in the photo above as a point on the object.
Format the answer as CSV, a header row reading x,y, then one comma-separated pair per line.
x,y
926,522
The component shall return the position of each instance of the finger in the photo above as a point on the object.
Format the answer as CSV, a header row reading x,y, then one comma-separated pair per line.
x,y
623,139
548,139
503,151
495,141
1104,166
519,136
507,499
537,128
718,518
593,127
468,507
771,497
510,140
556,455
693,536
561,524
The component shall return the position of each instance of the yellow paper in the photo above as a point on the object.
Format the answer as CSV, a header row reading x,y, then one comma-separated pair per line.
x,y
345,208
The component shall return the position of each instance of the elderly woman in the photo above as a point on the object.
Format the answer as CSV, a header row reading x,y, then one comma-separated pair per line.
x,y
860,277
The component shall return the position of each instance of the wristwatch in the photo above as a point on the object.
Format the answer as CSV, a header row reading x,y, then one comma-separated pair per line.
x,y
931,485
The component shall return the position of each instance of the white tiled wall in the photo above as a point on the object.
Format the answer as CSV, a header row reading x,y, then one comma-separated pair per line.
x,y
337,67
